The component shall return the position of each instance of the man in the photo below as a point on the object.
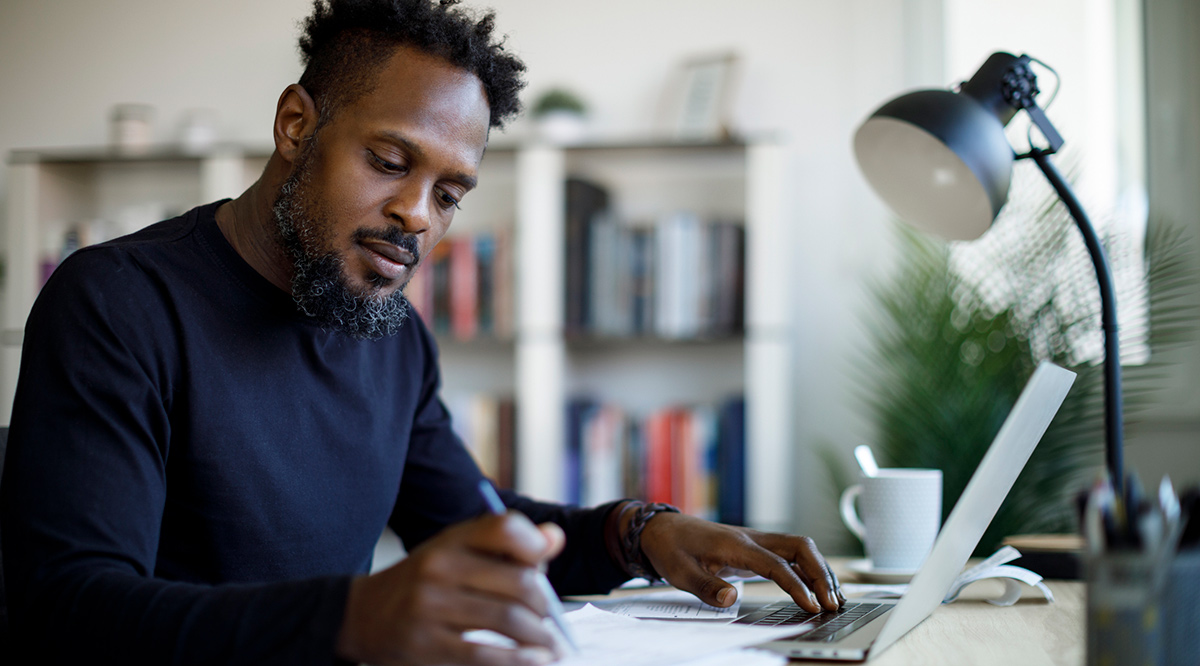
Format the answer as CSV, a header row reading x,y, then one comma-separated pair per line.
x,y
217,416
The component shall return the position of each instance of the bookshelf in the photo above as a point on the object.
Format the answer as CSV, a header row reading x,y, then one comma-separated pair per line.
x,y
740,181
538,363
98,193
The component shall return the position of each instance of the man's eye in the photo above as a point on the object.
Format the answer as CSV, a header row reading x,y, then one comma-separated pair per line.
x,y
446,200
385,165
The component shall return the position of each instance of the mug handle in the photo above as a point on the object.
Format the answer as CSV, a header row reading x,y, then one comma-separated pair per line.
x,y
849,515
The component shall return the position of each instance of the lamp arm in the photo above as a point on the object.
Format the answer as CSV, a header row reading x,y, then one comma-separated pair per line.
x,y
1113,408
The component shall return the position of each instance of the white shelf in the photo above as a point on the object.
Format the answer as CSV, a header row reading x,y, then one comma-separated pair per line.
x,y
729,181
49,191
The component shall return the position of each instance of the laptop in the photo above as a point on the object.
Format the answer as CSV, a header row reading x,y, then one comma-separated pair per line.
x,y
864,628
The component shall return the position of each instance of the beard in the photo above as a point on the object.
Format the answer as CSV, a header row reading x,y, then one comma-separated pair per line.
x,y
320,286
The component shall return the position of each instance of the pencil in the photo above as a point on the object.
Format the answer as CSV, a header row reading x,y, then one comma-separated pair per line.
x,y
496,506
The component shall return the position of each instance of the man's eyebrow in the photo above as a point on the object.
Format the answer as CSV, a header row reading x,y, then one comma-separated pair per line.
x,y
415,149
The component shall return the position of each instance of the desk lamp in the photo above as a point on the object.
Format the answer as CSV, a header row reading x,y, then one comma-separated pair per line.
x,y
941,161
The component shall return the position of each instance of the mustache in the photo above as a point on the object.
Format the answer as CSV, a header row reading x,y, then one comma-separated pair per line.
x,y
394,236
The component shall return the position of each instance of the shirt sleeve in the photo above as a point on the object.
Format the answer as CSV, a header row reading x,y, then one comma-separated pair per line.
x,y
84,491
440,488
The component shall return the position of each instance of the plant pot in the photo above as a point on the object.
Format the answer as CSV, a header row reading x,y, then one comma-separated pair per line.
x,y
561,126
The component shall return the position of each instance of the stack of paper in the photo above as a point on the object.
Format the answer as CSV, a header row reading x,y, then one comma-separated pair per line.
x,y
607,638
672,604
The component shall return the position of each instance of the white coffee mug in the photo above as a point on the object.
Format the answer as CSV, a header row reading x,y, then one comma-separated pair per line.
x,y
901,511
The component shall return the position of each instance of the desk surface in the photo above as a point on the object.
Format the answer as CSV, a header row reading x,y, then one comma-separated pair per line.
x,y
1032,632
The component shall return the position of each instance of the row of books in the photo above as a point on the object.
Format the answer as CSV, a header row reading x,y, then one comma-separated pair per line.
x,y
487,424
692,457
680,277
464,288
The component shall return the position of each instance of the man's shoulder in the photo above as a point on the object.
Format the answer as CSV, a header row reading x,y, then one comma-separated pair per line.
x,y
129,258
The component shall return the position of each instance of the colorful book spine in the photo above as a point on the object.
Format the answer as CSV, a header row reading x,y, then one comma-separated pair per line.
x,y
692,457
486,425
464,289
731,465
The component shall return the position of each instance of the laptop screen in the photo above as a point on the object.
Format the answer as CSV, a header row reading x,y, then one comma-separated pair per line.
x,y
994,477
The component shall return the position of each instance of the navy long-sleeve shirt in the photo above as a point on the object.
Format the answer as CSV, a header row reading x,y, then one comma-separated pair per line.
x,y
196,469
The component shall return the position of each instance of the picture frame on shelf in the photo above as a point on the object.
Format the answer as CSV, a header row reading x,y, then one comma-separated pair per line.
x,y
698,100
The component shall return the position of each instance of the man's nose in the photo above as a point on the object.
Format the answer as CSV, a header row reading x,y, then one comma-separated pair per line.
x,y
409,207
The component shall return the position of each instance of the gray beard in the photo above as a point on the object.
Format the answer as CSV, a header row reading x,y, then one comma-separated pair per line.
x,y
319,285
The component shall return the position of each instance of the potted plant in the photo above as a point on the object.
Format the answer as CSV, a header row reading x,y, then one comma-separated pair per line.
x,y
959,330
560,116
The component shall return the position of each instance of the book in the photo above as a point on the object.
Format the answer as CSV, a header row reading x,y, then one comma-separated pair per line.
x,y
641,281
675,454
603,442
463,288
731,465
485,281
658,458
484,434
486,425
506,443
419,291
577,414
584,201
439,279
502,285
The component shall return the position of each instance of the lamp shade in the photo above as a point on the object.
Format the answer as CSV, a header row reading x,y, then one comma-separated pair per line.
x,y
939,159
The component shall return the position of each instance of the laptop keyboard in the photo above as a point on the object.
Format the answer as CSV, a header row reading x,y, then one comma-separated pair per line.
x,y
828,626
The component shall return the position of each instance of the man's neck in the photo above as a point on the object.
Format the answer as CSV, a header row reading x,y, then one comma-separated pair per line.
x,y
249,225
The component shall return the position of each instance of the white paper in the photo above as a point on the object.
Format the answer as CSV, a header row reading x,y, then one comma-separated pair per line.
x,y
874,591
672,605
995,567
607,638
744,657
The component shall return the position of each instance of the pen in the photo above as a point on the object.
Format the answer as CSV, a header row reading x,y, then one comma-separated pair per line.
x,y
496,506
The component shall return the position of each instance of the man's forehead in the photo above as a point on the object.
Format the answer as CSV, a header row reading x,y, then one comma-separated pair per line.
x,y
416,89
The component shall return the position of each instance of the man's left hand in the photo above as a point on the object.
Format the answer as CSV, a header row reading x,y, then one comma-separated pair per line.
x,y
691,554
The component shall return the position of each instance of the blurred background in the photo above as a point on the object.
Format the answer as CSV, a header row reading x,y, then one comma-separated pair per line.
x,y
793,76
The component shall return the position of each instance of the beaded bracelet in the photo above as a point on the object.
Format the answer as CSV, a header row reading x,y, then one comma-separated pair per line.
x,y
636,562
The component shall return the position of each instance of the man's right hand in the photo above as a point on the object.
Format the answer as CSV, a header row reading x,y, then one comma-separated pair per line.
x,y
480,574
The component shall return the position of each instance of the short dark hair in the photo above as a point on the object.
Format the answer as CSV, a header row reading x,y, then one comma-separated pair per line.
x,y
345,42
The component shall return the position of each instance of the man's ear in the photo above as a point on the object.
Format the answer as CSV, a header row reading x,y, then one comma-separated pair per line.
x,y
295,121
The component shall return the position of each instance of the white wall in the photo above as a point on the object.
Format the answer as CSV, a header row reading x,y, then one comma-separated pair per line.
x,y
812,70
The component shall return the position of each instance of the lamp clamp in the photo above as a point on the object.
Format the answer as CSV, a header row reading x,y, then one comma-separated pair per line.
x,y
1019,84
1019,87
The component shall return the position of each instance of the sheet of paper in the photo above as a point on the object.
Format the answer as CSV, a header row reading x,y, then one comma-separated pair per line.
x,y
874,590
730,575
672,604
746,657
607,638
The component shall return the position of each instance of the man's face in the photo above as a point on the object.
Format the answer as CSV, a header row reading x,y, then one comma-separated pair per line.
x,y
376,189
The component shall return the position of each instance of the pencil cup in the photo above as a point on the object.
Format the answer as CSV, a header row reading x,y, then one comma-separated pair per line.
x,y
1124,622
1181,610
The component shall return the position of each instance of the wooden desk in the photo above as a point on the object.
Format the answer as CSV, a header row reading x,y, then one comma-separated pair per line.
x,y
971,631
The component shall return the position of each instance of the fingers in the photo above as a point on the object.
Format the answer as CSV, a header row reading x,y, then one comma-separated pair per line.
x,y
708,587
472,570
510,536
555,540
808,565
480,574
771,565
451,648
468,612
688,552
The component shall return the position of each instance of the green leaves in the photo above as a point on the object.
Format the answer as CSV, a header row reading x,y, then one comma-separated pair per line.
x,y
961,328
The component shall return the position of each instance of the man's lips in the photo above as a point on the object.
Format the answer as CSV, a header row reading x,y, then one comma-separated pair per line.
x,y
388,260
